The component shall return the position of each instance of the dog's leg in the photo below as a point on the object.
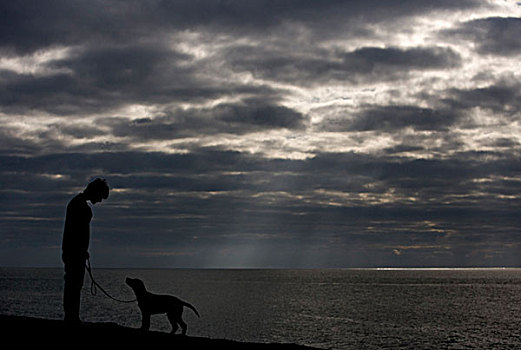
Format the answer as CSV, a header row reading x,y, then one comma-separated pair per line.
x,y
145,321
182,324
173,322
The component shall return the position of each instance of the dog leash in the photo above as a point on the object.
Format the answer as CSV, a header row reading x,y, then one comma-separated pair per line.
x,y
94,285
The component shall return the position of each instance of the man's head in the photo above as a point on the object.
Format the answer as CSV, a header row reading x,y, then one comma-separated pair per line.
x,y
97,190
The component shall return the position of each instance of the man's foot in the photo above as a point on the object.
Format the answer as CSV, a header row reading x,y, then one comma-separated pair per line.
x,y
73,321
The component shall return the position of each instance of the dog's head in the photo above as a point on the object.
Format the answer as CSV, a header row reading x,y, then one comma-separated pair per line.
x,y
136,284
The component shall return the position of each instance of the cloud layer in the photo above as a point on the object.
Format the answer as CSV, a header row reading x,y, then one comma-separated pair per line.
x,y
287,134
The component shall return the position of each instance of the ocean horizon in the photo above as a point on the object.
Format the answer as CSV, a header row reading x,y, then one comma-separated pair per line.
x,y
347,308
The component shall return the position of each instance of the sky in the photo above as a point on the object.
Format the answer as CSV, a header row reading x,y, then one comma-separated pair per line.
x,y
263,134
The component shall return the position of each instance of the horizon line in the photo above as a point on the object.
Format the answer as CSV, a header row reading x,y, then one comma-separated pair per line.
x,y
375,268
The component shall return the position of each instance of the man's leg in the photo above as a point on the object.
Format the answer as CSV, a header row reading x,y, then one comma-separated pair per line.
x,y
74,275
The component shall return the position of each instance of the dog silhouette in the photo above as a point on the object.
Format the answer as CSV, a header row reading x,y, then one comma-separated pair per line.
x,y
151,304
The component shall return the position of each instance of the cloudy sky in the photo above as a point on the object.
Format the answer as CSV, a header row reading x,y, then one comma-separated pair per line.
x,y
285,133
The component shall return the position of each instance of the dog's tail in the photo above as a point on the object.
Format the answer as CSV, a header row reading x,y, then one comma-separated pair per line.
x,y
191,307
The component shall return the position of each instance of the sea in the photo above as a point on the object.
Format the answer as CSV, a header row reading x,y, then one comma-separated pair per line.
x,y
324,308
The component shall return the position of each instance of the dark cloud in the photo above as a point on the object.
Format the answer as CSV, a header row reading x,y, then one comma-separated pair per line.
x,y
493,35
504,143
392,118
27,26
369,59
128,67
78,131
259,114
20,92
364,64
103,78
501,97
248,116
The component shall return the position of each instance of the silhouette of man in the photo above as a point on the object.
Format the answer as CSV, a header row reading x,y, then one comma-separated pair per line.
x,y
75,245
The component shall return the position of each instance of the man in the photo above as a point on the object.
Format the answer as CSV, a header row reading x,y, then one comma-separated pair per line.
x,y
75,245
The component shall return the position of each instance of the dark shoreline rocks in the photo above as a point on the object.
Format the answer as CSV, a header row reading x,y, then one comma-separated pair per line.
x,y
28,331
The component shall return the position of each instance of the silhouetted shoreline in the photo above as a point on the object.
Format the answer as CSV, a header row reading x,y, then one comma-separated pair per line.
x,y
28,331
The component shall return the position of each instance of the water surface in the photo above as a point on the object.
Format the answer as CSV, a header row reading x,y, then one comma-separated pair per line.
x,y
328,308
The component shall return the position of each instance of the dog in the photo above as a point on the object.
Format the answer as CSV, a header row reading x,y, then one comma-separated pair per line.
x,y
151,304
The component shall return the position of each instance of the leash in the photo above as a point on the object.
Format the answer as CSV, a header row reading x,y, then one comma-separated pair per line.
x,y
94,285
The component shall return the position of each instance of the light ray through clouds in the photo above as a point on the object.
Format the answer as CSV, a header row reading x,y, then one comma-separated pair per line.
x,y
264,134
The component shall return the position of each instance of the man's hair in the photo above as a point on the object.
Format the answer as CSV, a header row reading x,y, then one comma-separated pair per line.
x,y
98,186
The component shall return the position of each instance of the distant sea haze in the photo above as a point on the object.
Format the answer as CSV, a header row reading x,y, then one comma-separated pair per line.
x,y
327,308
